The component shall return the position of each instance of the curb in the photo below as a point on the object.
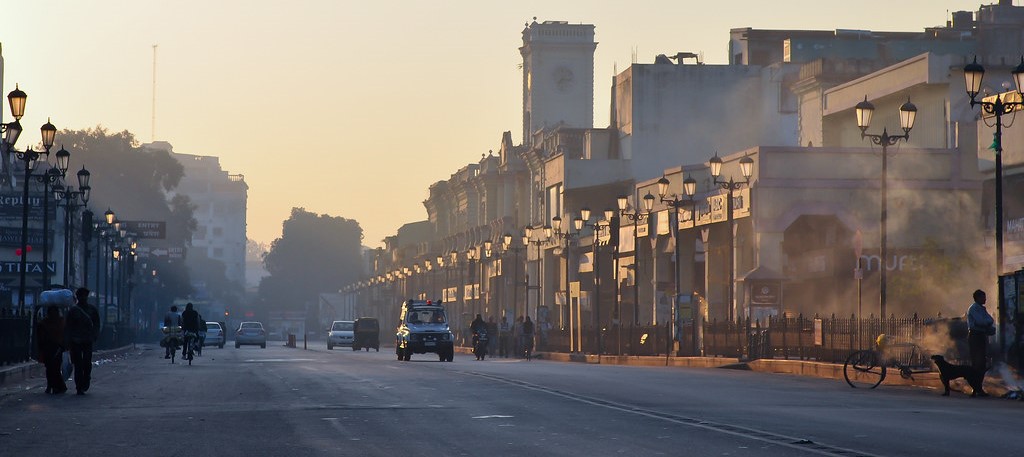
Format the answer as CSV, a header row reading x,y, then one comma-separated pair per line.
x,y
30,370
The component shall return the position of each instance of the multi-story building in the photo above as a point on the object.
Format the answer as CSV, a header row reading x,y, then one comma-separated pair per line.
x,y
220,200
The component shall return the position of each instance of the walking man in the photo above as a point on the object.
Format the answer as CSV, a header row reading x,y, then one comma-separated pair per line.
x,y
83,328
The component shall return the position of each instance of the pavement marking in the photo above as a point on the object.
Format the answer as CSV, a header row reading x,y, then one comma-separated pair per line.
x,y
493,416
278,360
735,430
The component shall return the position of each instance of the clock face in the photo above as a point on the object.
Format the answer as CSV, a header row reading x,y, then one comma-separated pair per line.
x,y
563,78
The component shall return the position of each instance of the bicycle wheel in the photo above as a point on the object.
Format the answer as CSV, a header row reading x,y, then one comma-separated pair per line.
x,y
864,369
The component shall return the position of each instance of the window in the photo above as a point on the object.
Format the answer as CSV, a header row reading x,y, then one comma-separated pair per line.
x,y
554,201
218,232
218,253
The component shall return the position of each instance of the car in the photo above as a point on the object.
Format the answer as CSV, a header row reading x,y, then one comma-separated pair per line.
x,y
340,334
424,329
214,335
251,333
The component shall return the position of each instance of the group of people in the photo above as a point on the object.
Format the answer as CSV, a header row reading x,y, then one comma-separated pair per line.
x,y
191,323
75,332
511,339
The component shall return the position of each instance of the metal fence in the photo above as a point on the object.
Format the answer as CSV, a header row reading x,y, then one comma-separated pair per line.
x,y
824,339
16,338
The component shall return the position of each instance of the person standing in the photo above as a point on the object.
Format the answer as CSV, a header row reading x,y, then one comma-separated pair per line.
x,y
980,326
50,339
81,331
504,337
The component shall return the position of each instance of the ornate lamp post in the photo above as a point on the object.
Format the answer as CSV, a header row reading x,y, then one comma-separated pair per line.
x,y
974,73
675,202
507,243
747,170
568,237
636,216
71,199
908,113
527,239
598,227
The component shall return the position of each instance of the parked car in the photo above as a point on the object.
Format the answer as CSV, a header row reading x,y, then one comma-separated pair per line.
x,y
214,335
340,334
251,333
367,334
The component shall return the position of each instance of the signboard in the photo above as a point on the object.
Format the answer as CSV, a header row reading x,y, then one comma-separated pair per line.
x,y
11,236
171,253
10,206
765,292
14,266
818,331
146,229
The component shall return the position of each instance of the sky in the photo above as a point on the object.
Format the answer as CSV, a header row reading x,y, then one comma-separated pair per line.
x,y
352,108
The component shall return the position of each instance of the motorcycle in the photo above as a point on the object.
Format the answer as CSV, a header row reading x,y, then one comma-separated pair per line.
x,y
480,340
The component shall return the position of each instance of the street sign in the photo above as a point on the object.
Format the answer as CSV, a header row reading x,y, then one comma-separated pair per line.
x,y
146,229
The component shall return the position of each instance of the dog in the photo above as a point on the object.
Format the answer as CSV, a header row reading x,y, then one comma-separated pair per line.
x,y
949,372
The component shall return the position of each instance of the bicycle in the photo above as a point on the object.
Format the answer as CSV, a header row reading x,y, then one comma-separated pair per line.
x,y
867,368
191,339
171,340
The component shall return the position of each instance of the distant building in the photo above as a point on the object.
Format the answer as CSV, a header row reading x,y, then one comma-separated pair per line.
x,y
220,200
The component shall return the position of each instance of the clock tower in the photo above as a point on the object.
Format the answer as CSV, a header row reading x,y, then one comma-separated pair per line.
x,y
558,76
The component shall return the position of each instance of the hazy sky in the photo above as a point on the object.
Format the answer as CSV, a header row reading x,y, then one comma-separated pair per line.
x,y
352,108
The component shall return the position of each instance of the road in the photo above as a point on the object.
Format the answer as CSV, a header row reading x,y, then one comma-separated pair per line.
x,y
292,402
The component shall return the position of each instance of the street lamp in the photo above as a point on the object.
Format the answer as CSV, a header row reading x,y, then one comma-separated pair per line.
x,y
52,175
974,73
675,202
747,170
528,239
515,248
908,113
568,237
71,199
12,131
636,216
598,226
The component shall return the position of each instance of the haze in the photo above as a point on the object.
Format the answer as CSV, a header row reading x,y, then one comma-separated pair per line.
x,y
351,108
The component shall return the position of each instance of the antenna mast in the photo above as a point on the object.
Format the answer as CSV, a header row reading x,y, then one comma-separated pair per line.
x,y
153,121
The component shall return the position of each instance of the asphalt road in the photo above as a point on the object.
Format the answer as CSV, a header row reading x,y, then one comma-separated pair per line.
x,y
292,402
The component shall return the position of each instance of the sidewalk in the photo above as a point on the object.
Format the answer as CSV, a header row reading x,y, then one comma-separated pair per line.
x,y
994,385
28,370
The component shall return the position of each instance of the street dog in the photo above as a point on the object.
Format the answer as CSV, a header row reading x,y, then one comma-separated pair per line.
x,y
949,372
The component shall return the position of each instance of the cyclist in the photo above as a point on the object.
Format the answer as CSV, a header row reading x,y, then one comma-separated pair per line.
x,y
190,325
528,338
171,319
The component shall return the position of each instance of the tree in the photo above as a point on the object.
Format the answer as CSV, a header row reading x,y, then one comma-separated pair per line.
x,y
315,254
135,183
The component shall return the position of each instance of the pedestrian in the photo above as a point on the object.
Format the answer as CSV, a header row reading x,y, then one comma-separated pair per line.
x,y
980,326
492,329
50,338
517,337
81,332
504,337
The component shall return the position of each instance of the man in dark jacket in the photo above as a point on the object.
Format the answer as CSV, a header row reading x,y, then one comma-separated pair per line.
x,y
189,325
82,330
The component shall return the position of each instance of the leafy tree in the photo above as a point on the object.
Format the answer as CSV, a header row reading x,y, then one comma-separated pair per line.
x,y
135,183
216,285
315,254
